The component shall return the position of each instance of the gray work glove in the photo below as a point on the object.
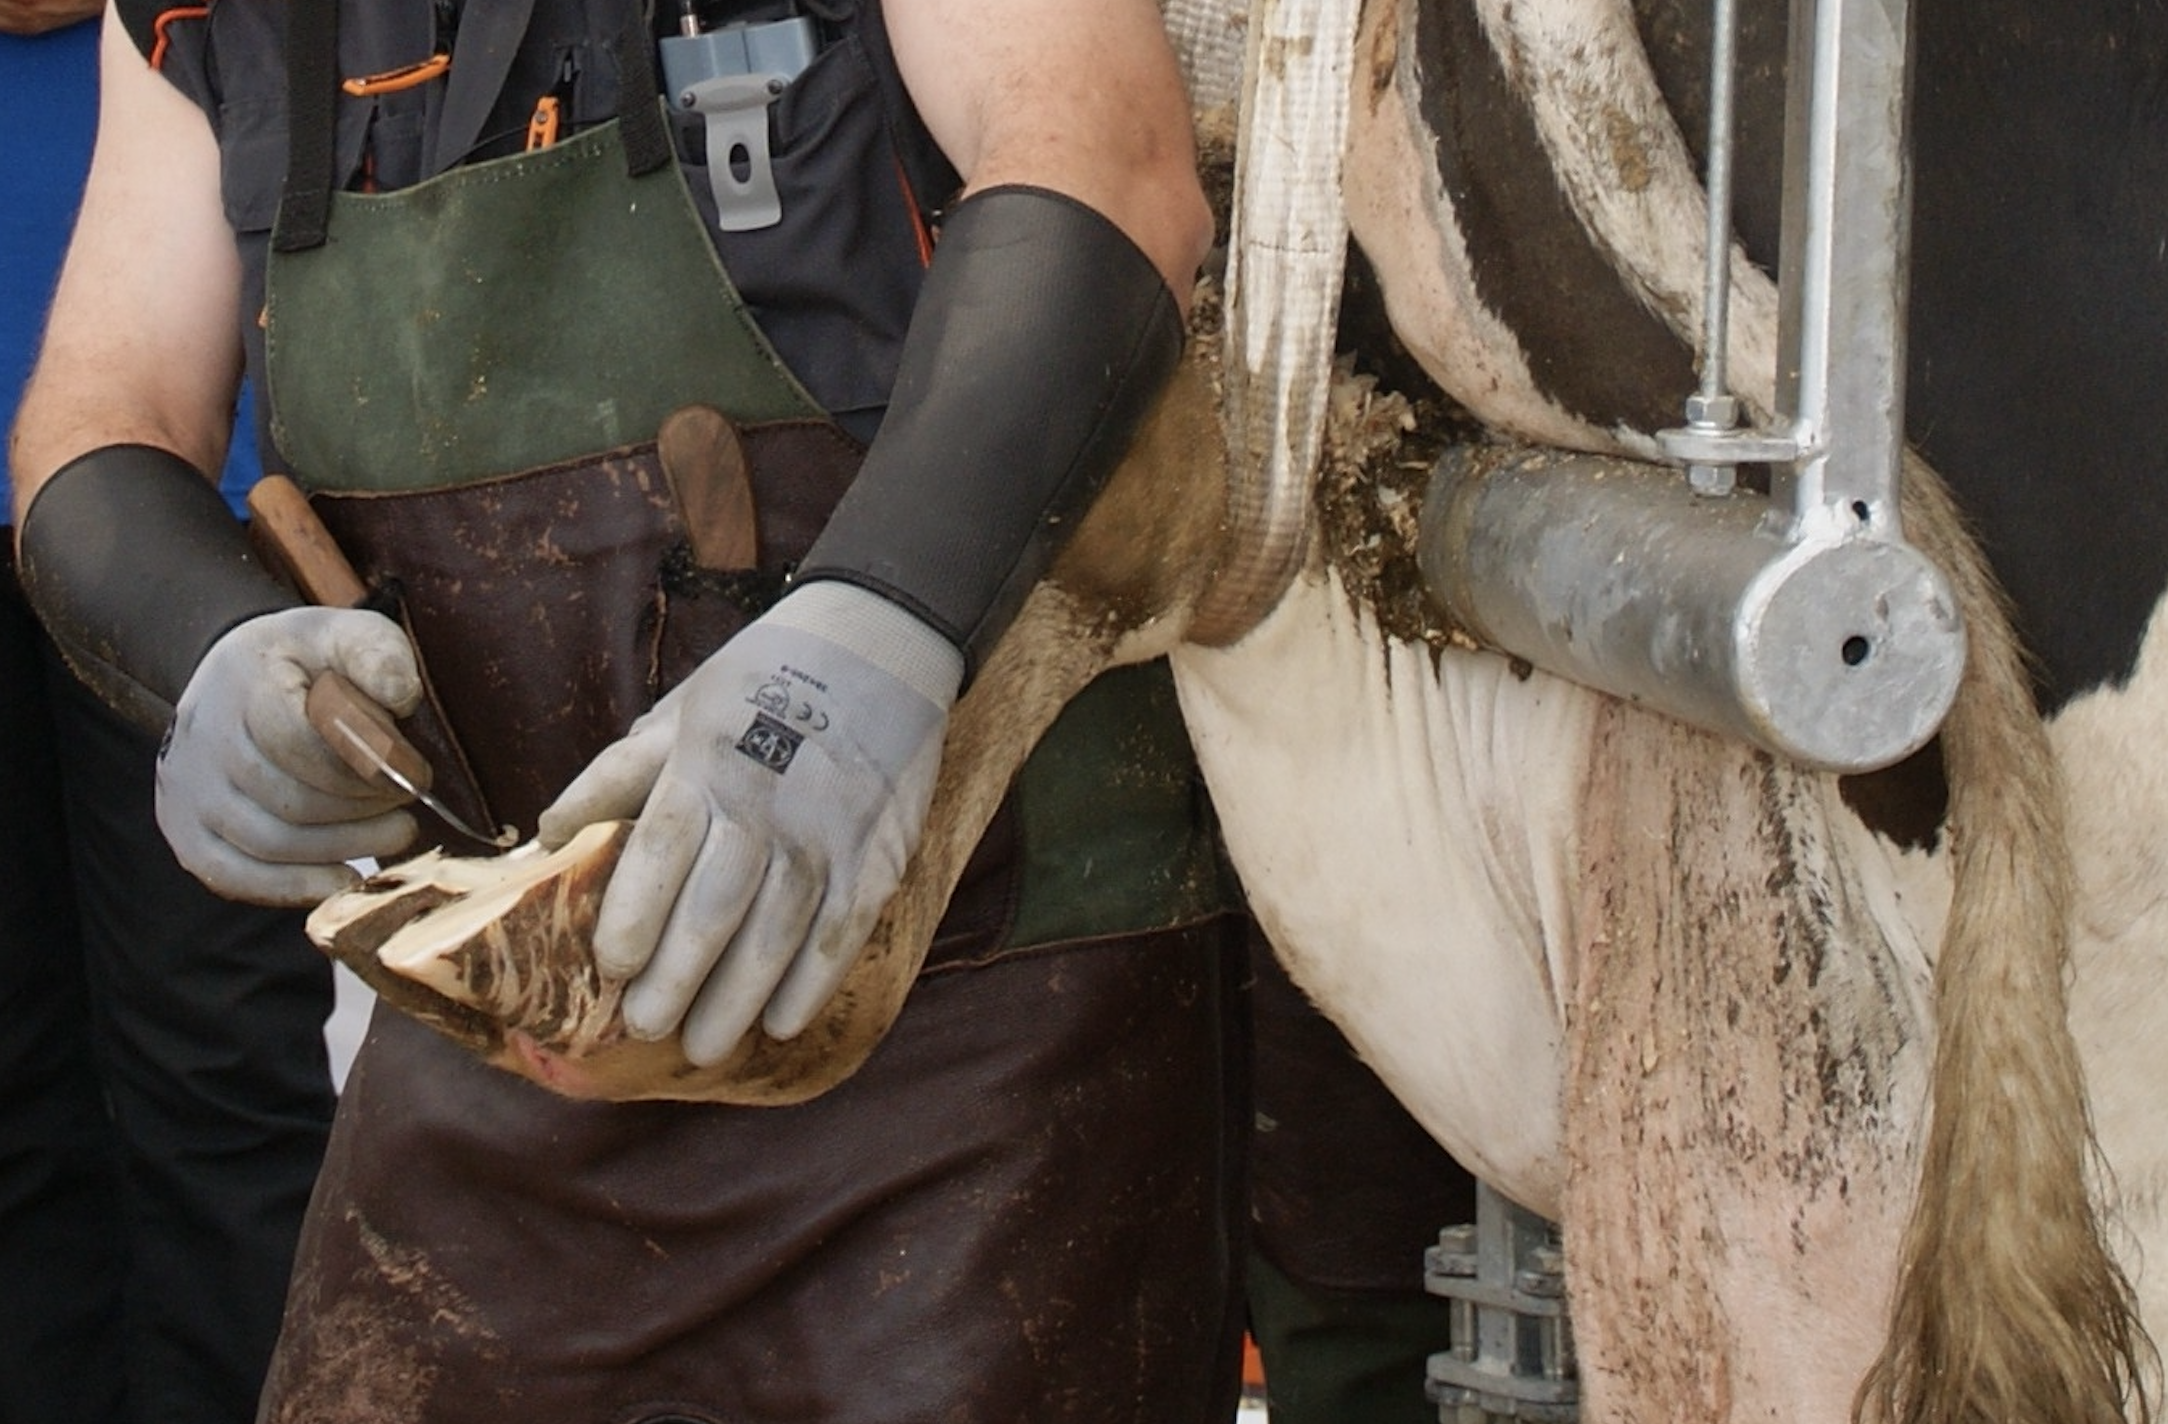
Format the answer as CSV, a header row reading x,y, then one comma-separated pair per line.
x,y
252,799
780,791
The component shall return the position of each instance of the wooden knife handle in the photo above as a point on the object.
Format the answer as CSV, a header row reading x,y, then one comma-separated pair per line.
x,y
293,536
343,715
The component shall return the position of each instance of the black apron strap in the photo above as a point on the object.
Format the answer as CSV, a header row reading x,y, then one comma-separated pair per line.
x,y
489,37
646,137
312,96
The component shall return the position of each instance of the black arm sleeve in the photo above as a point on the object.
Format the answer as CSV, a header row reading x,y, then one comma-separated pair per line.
x,y
136,566
1039,344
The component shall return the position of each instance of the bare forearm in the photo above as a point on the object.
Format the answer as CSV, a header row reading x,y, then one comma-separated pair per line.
x,y
1085,100
35,17
141,346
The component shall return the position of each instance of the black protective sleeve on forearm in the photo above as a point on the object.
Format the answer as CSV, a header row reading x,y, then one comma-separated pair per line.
x,y
1039,343
136,566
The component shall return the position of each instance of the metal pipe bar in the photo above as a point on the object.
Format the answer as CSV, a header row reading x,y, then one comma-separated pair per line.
x,y
1844,256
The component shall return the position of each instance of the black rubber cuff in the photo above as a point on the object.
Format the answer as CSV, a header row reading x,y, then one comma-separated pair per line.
x,y
136,566
1038,345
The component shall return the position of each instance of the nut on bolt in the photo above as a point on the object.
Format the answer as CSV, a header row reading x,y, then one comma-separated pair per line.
x,y
1712,412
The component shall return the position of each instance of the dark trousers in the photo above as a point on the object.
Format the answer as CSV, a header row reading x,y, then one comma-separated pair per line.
x,y
1346,1191
165,1093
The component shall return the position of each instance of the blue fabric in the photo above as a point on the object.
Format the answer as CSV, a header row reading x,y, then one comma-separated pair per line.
x,y
48,115
48,107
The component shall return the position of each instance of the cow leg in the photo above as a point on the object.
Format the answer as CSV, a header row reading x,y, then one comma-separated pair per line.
x,y
1746,1088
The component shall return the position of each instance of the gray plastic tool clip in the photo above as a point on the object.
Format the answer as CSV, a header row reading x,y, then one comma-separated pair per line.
x,y
735,107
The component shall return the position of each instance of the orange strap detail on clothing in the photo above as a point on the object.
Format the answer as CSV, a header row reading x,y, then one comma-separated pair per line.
x,y
404,77
918,223
178,12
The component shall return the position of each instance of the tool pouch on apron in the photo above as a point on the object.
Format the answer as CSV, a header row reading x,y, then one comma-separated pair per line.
x,y
568,598
554,605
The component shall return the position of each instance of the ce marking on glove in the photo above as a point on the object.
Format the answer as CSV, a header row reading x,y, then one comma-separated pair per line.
x,y
770,743
771,740
774,697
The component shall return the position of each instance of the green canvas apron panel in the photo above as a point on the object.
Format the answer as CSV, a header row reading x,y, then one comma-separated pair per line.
x,y
510,315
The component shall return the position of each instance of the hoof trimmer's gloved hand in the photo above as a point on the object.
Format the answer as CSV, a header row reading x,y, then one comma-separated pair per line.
x,y
250,796
780,790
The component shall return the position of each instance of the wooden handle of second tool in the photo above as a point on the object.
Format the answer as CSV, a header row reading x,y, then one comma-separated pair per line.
x,y
335,703
296,537
704,458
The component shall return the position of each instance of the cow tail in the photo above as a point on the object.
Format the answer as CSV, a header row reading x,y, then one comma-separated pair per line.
x,y
2010,1307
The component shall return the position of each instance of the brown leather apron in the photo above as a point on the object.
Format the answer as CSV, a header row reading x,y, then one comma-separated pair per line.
x,y
1023,1208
